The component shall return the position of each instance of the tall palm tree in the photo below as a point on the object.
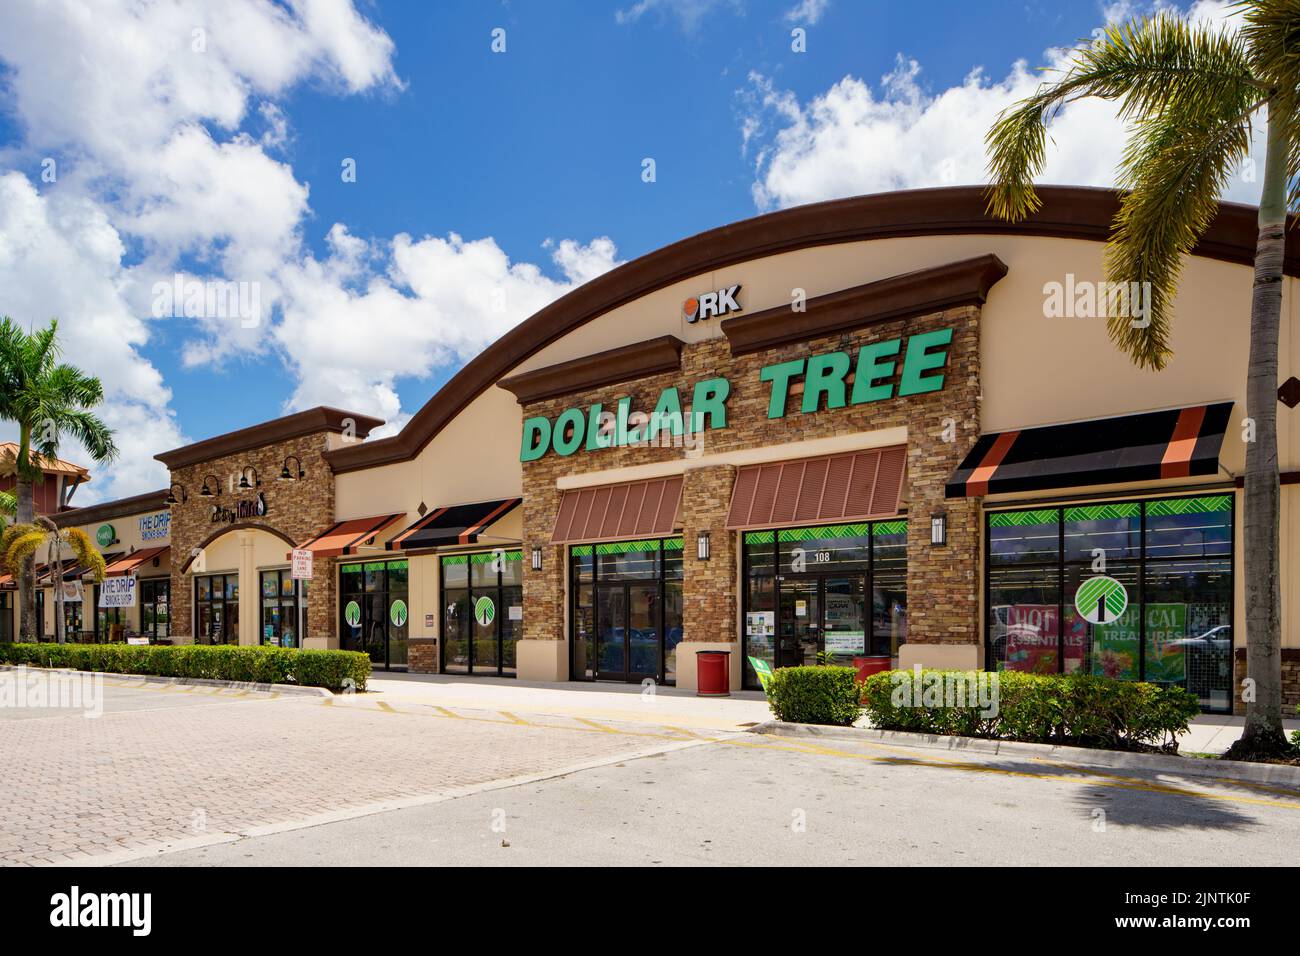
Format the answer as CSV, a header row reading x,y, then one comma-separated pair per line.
x,y
1192,94
48,400
20,542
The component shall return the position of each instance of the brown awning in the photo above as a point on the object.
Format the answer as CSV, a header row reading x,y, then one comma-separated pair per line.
x,y
129,563
847,487
638,509
344,537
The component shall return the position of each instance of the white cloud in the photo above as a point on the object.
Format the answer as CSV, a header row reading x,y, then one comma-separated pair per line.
x,y
688,13
855,139
61,257
807,11
349,333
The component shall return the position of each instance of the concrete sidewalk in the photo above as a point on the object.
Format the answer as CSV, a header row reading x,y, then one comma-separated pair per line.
x,y
1209,733
1215,733
631,702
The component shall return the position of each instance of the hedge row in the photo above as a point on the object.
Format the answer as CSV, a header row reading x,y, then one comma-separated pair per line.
x,y
815,695
1077,710
335,670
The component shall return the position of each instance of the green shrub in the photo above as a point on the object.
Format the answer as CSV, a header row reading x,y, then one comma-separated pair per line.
x,y
255,664
815,695
1079,710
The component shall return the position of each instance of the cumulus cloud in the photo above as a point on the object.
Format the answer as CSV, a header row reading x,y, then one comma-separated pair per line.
x,y
859,138
170,159
350,332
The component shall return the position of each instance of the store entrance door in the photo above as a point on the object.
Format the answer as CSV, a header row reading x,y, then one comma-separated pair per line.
x,y
799,622
627,632
818,613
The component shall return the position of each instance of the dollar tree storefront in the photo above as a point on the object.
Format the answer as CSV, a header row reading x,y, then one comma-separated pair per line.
x,y
857,431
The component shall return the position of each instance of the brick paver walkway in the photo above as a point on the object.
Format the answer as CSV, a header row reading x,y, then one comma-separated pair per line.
x,y
140,780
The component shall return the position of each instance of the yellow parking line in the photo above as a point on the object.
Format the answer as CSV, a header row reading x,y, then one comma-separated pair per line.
x,y
591,723
513,718
448,713
386,708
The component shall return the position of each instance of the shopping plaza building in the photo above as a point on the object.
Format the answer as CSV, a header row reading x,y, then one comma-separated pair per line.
x,y
886,428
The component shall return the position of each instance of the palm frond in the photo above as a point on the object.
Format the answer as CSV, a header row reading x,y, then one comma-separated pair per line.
x,y
88,556
21,547
1174,170
1151,66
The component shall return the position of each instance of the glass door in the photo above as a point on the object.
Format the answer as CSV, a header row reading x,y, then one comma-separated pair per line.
x,y
611,633
799,622
845,617
642,631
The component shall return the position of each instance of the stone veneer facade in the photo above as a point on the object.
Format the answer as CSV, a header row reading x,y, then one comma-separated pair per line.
x,y
941,426
296,510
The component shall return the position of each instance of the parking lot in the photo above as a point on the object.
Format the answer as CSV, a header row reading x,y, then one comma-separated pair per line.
x,y
500,774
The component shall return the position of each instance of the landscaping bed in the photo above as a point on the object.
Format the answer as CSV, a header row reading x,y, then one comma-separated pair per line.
x,y
334,670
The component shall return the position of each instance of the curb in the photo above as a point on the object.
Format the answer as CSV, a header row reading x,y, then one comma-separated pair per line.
x,y
1229,770
291,689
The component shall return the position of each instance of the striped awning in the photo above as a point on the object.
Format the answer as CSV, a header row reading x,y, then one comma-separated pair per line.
x,y
634,509
1177,443
847,487
453,525
344,537
129,563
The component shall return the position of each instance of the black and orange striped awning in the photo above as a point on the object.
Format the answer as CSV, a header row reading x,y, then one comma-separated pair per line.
x,y
453,525
344,537
1177,443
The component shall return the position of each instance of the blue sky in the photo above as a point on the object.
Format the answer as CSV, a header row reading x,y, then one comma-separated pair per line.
x,y
224,162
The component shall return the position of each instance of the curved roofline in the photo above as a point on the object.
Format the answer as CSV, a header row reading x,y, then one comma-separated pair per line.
x,y
1069,212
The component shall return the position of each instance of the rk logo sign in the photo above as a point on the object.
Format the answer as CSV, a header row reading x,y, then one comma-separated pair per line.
x,y
711,304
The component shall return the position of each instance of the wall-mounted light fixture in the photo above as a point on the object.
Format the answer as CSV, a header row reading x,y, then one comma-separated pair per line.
x,y
939,529
171,495
287,474
702,546
243,478
214,491
537,559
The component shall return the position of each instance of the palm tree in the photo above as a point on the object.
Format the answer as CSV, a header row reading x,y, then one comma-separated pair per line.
x,y
48,400
20,542
1191,94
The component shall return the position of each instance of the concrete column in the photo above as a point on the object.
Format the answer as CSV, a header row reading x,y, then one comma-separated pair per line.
x,y
250,592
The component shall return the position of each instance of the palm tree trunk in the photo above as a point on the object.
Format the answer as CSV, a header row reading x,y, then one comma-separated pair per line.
x,y
24,514
56,566
1261,520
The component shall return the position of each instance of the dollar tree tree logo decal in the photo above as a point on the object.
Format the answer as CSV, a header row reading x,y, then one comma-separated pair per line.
x,y
352,614
397,613
485,611
1100,600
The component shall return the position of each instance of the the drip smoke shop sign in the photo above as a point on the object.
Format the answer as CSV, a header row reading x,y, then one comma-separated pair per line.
x,y
893,368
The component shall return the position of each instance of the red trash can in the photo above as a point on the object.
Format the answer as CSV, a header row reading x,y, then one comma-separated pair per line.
x,y
713,674
871,665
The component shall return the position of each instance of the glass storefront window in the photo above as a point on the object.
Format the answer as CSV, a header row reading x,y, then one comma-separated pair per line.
x,y
483,612
374,611
837,591
626,610
284,607
155,616
216,608
1173,558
